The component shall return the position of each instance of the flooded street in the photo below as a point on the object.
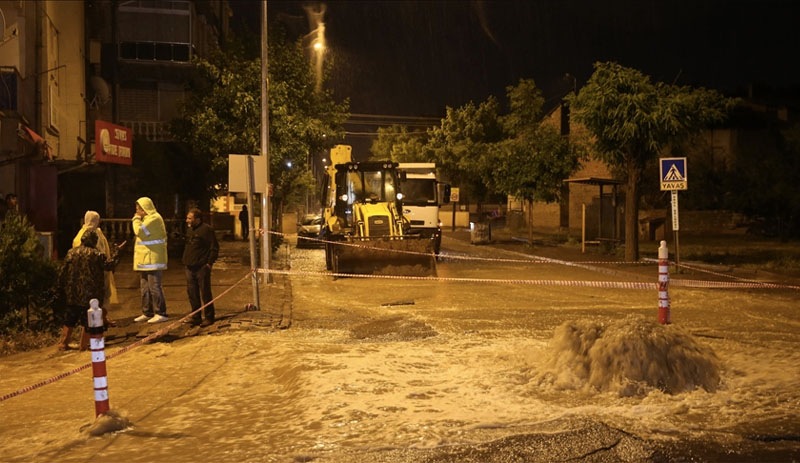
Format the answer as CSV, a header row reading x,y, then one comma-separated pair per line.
x,y
489,364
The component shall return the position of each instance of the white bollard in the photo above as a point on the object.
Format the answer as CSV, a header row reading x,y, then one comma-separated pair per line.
x,y
663,284
97,348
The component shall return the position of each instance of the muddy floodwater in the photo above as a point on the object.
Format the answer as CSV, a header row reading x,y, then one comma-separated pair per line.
x,y
488,363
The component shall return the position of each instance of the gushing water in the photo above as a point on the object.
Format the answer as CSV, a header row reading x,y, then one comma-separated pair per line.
x,y
631,356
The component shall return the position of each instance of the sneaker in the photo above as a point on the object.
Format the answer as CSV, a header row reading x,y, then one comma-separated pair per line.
x,y
207,323
141,318
157,318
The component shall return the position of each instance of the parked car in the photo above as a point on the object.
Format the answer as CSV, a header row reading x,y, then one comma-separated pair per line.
x,y
309,227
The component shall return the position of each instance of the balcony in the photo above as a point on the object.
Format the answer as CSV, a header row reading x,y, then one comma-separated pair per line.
x,y
157,131
155,52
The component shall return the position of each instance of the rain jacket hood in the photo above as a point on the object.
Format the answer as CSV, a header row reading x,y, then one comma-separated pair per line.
x,y
91,222
91,219
147,204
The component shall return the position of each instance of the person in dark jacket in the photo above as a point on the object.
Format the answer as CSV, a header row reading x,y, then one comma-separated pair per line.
x,y
245,220
199,255
80,280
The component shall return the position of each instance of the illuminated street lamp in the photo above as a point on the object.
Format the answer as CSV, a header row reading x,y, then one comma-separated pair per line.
x,y
316,13
319,52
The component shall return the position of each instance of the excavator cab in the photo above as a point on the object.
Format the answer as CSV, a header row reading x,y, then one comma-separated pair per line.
x,y
370,186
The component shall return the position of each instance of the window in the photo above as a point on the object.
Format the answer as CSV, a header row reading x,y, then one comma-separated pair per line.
x,y
155,30
419,191
53,92
155,51
8,90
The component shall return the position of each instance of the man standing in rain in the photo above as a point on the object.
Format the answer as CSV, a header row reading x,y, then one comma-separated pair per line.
x,y
150,259
199,255
244,219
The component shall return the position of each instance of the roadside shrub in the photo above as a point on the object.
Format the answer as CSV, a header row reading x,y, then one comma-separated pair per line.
x,y
28,278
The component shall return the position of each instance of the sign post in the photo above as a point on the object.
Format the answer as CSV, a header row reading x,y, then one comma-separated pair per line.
x,y
254,177
673,178
454,197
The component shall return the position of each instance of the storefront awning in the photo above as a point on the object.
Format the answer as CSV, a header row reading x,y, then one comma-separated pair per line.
x,y
39,142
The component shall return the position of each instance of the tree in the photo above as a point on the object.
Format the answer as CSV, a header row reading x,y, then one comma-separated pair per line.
x,y
534,159
395,142
27,276
633,119
222,116
487,153
461,146
513,154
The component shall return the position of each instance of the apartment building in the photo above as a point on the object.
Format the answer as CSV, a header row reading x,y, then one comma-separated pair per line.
x,y
87,90
42,105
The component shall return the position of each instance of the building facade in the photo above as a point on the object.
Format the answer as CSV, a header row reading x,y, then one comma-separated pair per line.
x,y
88,90
42,106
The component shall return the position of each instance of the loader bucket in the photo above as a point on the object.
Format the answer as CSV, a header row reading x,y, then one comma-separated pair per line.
x,y
410,256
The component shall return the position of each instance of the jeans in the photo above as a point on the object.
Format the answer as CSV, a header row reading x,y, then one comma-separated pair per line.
x,y
198,288
152,293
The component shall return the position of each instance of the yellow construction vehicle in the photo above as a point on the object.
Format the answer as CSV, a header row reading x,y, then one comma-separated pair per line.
x,y
364,229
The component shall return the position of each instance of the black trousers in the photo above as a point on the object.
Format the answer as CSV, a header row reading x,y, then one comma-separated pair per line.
x,y
198,287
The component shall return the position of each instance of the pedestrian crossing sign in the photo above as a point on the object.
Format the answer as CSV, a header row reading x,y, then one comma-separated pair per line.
x,y
673,174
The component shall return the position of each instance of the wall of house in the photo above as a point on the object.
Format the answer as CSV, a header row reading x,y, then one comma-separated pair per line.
x,y
63,80
17,59
45,50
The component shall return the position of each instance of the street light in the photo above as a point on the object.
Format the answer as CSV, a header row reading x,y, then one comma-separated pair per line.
x,y
315,15
319,53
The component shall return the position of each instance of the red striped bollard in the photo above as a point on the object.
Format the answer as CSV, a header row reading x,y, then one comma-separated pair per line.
x,y
97,347
663,284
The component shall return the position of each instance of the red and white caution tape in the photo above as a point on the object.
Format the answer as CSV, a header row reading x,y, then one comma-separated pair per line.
x,y
119,352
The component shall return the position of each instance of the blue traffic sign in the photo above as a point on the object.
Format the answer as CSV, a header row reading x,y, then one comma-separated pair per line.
x,y
673,174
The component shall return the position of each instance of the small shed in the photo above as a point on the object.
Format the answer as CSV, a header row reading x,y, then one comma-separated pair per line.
x,y
611,230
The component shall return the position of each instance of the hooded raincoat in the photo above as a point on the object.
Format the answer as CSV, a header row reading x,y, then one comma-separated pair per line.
x,y
150,249
91,221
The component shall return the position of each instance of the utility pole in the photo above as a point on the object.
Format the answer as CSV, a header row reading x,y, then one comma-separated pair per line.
x,y
266,225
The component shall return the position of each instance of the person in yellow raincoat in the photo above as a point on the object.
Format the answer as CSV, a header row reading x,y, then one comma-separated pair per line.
x,y
150,259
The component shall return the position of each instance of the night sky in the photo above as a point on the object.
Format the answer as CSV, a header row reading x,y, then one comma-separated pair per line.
x,y
414,58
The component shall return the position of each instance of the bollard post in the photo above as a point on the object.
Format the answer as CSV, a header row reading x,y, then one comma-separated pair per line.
x,y
663,284
97,348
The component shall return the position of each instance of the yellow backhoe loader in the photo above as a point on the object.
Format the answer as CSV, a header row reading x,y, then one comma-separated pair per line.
x,y
364,227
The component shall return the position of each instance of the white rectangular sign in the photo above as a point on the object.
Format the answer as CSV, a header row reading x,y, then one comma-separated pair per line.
x,y
454,192
237,173
675,225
